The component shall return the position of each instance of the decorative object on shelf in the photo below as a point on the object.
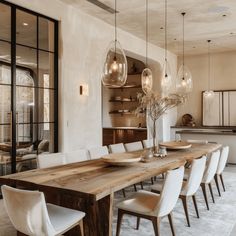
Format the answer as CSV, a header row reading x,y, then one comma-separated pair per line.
x,y
209,93
147,73
115,66
154,105
184,78
187,120
166,78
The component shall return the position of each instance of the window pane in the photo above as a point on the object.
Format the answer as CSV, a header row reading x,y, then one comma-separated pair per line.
x,y
26,66
5,104
26,28
5,22
46,136
46,34
46,105
46,69
5,74
5,52
25,105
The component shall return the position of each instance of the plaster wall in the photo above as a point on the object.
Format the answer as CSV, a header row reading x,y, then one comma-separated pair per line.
x,y
223,74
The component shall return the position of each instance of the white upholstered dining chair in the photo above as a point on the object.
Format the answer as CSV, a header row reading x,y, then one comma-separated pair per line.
x,y
147,143
221,166
134,146
209,174
117,148
50,160
30,214
77,156
190,186
152,206
98,152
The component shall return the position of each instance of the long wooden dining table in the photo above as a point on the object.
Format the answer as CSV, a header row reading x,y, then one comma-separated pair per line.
x,y
90,186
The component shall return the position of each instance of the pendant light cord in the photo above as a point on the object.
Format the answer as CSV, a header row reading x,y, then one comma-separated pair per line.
x,y
183,14
115,27
209,65
165,30
146,33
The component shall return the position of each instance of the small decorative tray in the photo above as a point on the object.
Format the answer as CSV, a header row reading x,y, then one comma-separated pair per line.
x,y
176,145
121,159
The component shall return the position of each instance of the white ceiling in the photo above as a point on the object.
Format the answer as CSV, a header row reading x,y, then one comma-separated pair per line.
x,y
204,20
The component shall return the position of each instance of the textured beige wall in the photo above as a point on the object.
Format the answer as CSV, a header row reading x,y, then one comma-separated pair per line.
x,y
223,71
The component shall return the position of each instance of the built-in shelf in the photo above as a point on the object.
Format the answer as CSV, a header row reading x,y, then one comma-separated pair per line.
x,y
126,87
121,112
131,100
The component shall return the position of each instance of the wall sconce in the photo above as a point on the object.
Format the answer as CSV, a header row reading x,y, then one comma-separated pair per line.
x,y
84,89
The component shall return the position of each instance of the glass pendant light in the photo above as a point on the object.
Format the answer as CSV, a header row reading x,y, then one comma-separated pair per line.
x,y
184,82
209,93
147,73
115,65
166,78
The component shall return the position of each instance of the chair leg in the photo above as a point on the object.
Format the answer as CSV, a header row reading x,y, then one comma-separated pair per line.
x,y
185,205
81,225
156,225
138,223
152,180
222,181
195,205
212,196
135,188
119,220
123,191
217,184
141,183
205,194
171,224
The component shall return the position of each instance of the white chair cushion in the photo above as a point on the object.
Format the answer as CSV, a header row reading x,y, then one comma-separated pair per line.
x,y
117,148
142,202
50,160
63,218
77,156
134,146
98,152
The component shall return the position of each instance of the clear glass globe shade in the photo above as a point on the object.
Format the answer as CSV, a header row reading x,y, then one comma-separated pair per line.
x,y
115,66
146,80
209,94
184,83
167,83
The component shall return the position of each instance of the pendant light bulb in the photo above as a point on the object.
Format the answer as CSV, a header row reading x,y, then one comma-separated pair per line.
x,y
115,67
184,83
146,78
209,94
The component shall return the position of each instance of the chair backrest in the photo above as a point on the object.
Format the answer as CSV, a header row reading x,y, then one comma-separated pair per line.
x,y
211,167
147,143
170,191
50,160
134,146
98,152
77,156
197,141
117,148
195,176
223,160
27,211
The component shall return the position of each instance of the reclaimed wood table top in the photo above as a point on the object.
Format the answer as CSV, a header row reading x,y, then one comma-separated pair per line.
x,y
96,179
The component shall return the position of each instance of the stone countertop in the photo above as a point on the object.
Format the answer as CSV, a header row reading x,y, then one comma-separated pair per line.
x,y
133,128
208,132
